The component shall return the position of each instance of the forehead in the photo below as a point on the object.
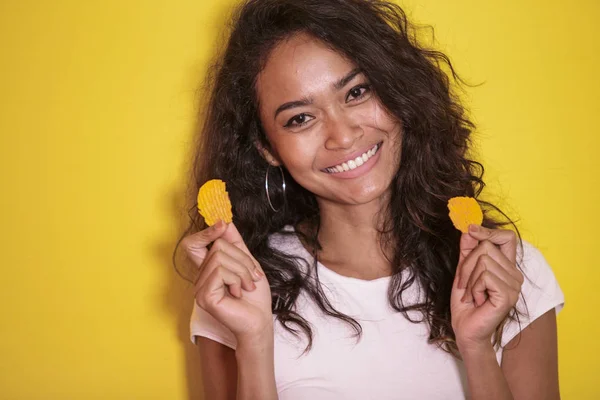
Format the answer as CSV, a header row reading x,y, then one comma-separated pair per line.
x,y
300,66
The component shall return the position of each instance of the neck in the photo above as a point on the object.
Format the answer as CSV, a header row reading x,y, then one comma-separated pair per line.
x,y
349,237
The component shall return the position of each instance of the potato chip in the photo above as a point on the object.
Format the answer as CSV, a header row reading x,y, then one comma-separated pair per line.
x,y
464,211
213,202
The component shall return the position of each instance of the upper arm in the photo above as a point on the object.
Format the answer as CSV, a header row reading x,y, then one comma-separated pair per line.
x,y
530,360
219,369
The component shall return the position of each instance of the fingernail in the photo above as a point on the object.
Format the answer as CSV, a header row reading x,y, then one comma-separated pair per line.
x,y
257,273
219,224
474,228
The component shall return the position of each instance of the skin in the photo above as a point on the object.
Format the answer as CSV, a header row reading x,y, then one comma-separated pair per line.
x,y
333,123
338,124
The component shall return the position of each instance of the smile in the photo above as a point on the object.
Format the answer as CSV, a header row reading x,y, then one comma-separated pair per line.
x,y
354,163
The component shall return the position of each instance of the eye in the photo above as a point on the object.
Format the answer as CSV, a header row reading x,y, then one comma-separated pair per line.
x,y
358,92
298,120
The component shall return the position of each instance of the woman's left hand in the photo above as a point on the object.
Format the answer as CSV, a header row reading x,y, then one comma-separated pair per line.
x,y
486,287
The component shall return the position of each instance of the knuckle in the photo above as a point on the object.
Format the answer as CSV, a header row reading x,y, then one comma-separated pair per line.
x,y
510,235
219,244
484,259
216,274
188,244
217,257
246,273
200,299
487,245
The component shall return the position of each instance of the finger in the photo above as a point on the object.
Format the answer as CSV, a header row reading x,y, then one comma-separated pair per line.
x,y
486,263
491,249
218,285
222,260
490,286
239,255
504,238
232,235
496,254
196,244
467,245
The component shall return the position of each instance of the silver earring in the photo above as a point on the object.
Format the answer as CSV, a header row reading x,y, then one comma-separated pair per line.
x,y
267,188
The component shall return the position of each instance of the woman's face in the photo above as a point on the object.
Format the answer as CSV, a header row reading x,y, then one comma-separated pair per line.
x,y
325,125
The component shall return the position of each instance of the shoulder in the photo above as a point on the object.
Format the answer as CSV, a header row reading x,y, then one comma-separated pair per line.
x,y
540,292
540,281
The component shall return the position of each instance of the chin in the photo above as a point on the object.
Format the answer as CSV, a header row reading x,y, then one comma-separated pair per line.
x,y
367,194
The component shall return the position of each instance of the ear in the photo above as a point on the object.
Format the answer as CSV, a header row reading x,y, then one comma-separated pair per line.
x,y
267,155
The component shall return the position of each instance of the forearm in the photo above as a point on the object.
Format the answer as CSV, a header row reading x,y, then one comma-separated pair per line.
x,y
484,376
256,371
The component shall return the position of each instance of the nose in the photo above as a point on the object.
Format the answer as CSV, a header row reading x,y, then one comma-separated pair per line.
x,y
342,131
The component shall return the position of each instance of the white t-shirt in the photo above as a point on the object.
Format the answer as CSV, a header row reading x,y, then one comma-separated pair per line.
x,y
392,360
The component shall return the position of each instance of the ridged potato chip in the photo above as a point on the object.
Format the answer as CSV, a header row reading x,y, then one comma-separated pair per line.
x,y
464,211
213,202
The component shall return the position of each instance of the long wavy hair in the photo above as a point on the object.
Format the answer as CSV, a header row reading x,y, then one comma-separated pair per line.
x,y
414,84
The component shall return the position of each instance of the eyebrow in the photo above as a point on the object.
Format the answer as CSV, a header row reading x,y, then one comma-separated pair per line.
x,y
308,101
344,81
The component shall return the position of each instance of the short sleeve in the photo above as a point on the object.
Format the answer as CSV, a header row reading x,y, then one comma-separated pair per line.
x,y
203,324
540,292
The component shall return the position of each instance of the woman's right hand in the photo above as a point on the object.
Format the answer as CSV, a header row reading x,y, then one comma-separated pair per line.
x,y
231,286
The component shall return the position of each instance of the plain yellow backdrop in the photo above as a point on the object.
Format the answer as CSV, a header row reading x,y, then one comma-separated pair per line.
x,y
97,108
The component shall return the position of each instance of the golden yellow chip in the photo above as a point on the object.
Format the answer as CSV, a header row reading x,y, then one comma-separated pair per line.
x,y
464,211
213,202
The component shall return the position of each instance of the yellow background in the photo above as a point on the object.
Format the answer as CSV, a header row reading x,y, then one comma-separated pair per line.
x,y
97,106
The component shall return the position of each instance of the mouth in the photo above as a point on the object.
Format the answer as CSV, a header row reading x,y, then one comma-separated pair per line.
x,y
354,163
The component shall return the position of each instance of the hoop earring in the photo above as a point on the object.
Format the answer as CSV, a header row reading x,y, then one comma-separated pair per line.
x,y
282,188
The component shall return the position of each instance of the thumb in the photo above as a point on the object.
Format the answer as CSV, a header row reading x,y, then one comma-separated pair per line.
x,y
196,245
200,240
232,235
467,244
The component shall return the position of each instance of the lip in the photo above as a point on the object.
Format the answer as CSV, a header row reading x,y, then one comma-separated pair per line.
x,y
358,171
351,156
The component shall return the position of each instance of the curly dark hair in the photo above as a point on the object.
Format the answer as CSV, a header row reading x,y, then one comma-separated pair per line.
x,y
411,83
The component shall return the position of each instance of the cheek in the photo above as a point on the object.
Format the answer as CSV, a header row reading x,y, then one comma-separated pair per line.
x,y
384,121
374,116
391,127
295,152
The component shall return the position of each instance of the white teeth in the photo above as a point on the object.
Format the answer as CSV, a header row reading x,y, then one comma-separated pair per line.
x,y
357,162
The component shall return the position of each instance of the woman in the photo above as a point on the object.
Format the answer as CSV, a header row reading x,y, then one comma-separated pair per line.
x,y
349,281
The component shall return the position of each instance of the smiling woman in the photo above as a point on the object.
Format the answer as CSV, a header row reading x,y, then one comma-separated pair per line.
x,y
362,265
322,119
